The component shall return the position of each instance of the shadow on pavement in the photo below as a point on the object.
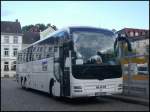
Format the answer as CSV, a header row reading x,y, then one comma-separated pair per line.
x,y
81,101
73,101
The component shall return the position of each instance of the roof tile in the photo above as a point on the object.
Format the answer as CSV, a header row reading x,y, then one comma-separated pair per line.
x,y
10,27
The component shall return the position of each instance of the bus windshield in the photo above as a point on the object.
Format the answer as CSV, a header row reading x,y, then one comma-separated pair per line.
x,y
88,44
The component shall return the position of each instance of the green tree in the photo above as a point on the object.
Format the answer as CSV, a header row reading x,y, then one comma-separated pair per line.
x,y
27,28
37,27
41,27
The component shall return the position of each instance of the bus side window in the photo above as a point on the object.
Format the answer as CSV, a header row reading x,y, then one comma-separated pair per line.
x,y
36,56
37,49
40,56
41,48
47,55
50,49
42,53
26,57
47,52
26,54
20,59
32,56
33,53
55,49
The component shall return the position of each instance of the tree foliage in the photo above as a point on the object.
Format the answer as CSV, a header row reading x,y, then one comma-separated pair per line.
x,y
27,28
37,27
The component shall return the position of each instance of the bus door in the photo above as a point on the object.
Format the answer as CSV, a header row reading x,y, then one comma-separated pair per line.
x,y
59,73
56,70
64,74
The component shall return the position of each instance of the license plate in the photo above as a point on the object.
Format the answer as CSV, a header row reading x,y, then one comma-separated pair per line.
x,y
100,93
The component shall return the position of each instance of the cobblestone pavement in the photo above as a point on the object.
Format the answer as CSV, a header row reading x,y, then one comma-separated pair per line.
x,y
17,99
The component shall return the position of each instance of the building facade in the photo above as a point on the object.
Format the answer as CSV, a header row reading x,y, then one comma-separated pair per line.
x,y
29,38
139,39
46,32
135,68
11,43
141,46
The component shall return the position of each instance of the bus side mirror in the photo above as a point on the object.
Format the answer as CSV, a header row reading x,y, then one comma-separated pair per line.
x,y
123,39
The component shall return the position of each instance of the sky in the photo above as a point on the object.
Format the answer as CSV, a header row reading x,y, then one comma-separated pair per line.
x,y
105,14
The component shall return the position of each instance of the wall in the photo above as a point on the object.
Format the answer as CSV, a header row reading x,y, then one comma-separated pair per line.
x,y
135,83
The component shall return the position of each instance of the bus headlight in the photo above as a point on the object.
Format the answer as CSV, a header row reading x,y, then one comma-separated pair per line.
x,y
77,88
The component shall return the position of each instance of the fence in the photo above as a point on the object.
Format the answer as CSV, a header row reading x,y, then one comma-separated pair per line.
x,y
136,75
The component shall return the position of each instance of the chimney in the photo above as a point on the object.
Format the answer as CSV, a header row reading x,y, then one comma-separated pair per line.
x,y
16,20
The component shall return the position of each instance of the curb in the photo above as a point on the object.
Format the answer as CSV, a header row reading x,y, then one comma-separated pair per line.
x,y
130,99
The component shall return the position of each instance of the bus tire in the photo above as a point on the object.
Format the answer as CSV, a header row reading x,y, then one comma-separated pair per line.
x,y
50,87
21,82
25,83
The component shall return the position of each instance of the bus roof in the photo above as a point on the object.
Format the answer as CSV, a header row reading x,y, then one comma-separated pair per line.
x,y
51,34
68,29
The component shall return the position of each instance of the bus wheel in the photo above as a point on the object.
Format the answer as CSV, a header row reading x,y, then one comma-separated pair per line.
x,y
50,88
25,83
21,82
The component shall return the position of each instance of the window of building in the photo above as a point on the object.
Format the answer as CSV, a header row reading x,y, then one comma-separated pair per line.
x,y
6,66
41,48
6,39
20,58
136,34
24,58
143,33
32,57
131,34
38,49
34,48
6,51
39,56
13,66
15,51
15,41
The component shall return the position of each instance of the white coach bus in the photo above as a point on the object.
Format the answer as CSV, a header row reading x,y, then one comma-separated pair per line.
x,y
72,62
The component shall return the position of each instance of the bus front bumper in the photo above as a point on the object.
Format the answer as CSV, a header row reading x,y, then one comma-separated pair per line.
x,y
96,90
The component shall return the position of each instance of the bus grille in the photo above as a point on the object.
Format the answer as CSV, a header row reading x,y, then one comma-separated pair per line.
x,y
96,71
